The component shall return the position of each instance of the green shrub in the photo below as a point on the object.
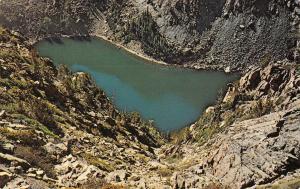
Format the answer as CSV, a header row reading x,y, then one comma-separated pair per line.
x,y
145,29
165,172
102,164
37,157
26,137
298,69
265,60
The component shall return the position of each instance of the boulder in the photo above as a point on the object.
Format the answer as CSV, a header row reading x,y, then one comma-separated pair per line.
x,y
5,177
11,158
7,147
117,176
178,181
250,80
74,171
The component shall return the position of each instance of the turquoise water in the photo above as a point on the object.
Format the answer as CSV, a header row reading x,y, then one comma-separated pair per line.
x,y
173,97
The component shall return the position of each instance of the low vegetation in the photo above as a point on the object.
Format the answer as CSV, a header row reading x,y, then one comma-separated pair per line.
x,y
37,157
145,29
96,161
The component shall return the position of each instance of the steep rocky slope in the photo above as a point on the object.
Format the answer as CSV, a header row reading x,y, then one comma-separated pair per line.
x,y
57,128
221,34
249,139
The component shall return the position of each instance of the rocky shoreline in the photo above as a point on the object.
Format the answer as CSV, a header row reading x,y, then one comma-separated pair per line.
x,y
141,55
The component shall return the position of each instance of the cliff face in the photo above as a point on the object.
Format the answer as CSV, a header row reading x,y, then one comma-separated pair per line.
x,y
197,33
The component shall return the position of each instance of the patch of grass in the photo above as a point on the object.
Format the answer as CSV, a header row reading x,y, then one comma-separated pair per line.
x,y
173,159
39,110
165,172
26,137
10,107
298,69
215,186
14,84
206,133
92,184
53,108
37,157
265,60
284,184
35,124
260,108
114,186
181,135
208,125
102,164
141,157
11,55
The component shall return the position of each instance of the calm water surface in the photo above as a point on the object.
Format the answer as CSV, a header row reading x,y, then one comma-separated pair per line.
x,y
172,97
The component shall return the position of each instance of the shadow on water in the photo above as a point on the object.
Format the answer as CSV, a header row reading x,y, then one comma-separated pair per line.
x,y
58,40
82,38
52,40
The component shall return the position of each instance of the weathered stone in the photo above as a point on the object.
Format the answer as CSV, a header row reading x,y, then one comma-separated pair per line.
x,y
7,147
10,158
178,181
5,177
117,176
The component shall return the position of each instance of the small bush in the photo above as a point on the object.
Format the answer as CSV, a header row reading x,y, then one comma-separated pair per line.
x,y
265,60
26,137
298,69
93,184
114,186
165,172
37,157
97,162
215,186
40,111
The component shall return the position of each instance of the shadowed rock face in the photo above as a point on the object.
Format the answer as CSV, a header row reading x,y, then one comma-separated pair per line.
x,y
214,34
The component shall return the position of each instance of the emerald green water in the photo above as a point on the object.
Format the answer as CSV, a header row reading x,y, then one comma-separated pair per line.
x,y
172,97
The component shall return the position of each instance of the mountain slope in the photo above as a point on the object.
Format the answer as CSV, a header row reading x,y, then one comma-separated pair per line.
x,y
57,128
222,34
251,137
